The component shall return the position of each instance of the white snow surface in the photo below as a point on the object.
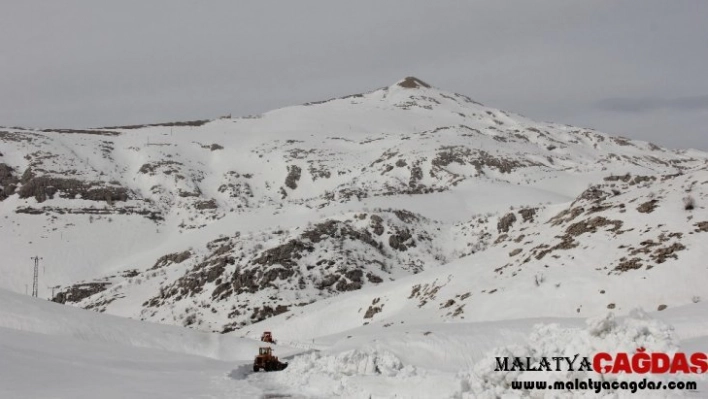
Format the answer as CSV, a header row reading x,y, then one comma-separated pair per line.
x,y
54,351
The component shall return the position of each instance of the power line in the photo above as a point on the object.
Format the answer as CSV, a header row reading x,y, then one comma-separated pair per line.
x,y
35,281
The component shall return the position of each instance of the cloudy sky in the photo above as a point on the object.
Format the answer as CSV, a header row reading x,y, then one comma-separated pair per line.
x,y
634,68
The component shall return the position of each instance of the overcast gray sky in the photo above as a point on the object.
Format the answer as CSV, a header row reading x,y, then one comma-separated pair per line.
x,y
633,68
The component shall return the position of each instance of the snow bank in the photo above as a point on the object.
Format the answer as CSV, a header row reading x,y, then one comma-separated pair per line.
x,y
352,362
457,361
362,373
605,334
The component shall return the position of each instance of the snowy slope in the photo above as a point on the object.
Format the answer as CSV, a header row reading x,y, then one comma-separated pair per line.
x,y
35,316
573,259
54,351
60,352
578,259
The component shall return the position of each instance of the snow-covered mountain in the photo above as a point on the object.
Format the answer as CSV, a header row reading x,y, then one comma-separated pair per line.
x,y
391,240
219,224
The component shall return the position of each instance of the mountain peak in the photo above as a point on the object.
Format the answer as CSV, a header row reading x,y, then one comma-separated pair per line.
x,y
411,82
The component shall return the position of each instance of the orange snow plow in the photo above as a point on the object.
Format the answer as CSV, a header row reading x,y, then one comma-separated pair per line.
x,y
267,337
266,361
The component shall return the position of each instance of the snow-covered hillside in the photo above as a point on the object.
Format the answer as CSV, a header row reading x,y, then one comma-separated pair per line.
x,y
50,350
54,351
627,243
393,241
218,224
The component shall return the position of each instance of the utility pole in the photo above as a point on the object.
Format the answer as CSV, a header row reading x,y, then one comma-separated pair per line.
x,y
35,283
